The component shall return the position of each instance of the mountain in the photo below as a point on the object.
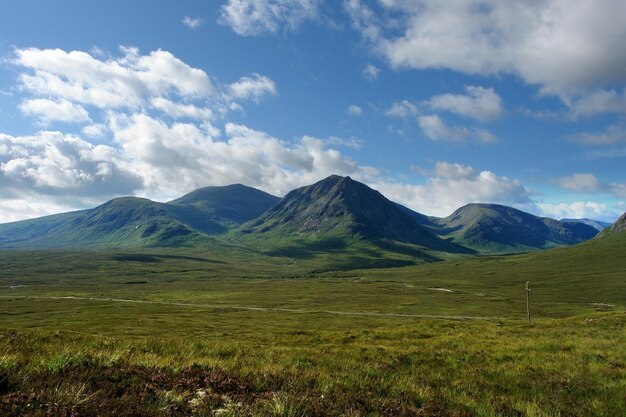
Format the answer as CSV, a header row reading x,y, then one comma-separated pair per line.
x,y
131,221
336,215
230,205
618,227
596,224
341,207
499,229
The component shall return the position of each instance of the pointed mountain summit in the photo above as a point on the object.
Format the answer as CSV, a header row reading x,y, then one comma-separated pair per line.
x,y
496,228
340,206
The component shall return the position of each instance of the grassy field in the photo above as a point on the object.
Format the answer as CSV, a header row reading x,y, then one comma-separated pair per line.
x,y
237,332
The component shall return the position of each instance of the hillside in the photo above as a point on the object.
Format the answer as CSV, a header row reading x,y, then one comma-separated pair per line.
x,y
339,207
618,227
494,228
230,205
136,222
598,225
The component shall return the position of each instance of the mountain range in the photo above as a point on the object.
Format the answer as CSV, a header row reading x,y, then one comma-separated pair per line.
x,y
334,211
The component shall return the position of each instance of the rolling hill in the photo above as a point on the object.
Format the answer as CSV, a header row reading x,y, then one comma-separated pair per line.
x,y
598,225
230,205
493,228
334,215
135,222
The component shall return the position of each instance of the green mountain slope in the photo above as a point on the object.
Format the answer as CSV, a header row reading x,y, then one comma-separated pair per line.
x,y
598,225
618,227
134,222
492,228
340,208
229,205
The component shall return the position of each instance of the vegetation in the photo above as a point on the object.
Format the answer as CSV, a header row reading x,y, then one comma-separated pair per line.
x,y
232,331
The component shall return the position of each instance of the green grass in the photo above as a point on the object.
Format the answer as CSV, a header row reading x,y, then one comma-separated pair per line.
x,y
232,329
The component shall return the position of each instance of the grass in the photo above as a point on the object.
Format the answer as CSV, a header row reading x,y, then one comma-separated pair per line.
x,y
232,331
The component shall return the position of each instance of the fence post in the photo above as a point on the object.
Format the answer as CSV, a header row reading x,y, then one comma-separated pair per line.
x,y
528,300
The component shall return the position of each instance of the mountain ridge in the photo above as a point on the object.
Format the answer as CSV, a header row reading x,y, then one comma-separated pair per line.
x,y
334,212
341,206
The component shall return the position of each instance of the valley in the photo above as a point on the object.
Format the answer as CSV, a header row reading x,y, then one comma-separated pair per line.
x,y
309,306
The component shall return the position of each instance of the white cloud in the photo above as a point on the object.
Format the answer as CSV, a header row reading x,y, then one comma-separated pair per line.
x,y
192,22
58,164
453,171
482,104
589,183
579,210
402,109
569,49
179,110
370,72
96,130
435,129
611,135
127,82
28,207
352,143
597,101
50,110
257,17
182,156
354,110
65,84
581,183
451,186
252,88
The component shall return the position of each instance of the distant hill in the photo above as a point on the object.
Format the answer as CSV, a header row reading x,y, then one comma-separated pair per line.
x,y
618,227
336,215
494,228
341,207
229,205
598,225
131,221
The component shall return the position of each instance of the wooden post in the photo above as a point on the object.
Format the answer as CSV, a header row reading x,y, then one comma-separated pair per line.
x,y
528,300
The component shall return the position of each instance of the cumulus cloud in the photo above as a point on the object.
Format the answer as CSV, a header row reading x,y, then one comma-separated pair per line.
x,y
48,111
127,82
354,110
180,110
68,86
450,186
589,183
96,130
258,17
192,22
59,164
569,49
482,104
370,72
579,210
435,129
252,88
178,157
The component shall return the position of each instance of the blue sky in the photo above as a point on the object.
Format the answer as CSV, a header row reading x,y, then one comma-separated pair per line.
x,y
434,103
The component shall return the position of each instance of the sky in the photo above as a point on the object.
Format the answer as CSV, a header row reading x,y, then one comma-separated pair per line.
x,y
435,103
